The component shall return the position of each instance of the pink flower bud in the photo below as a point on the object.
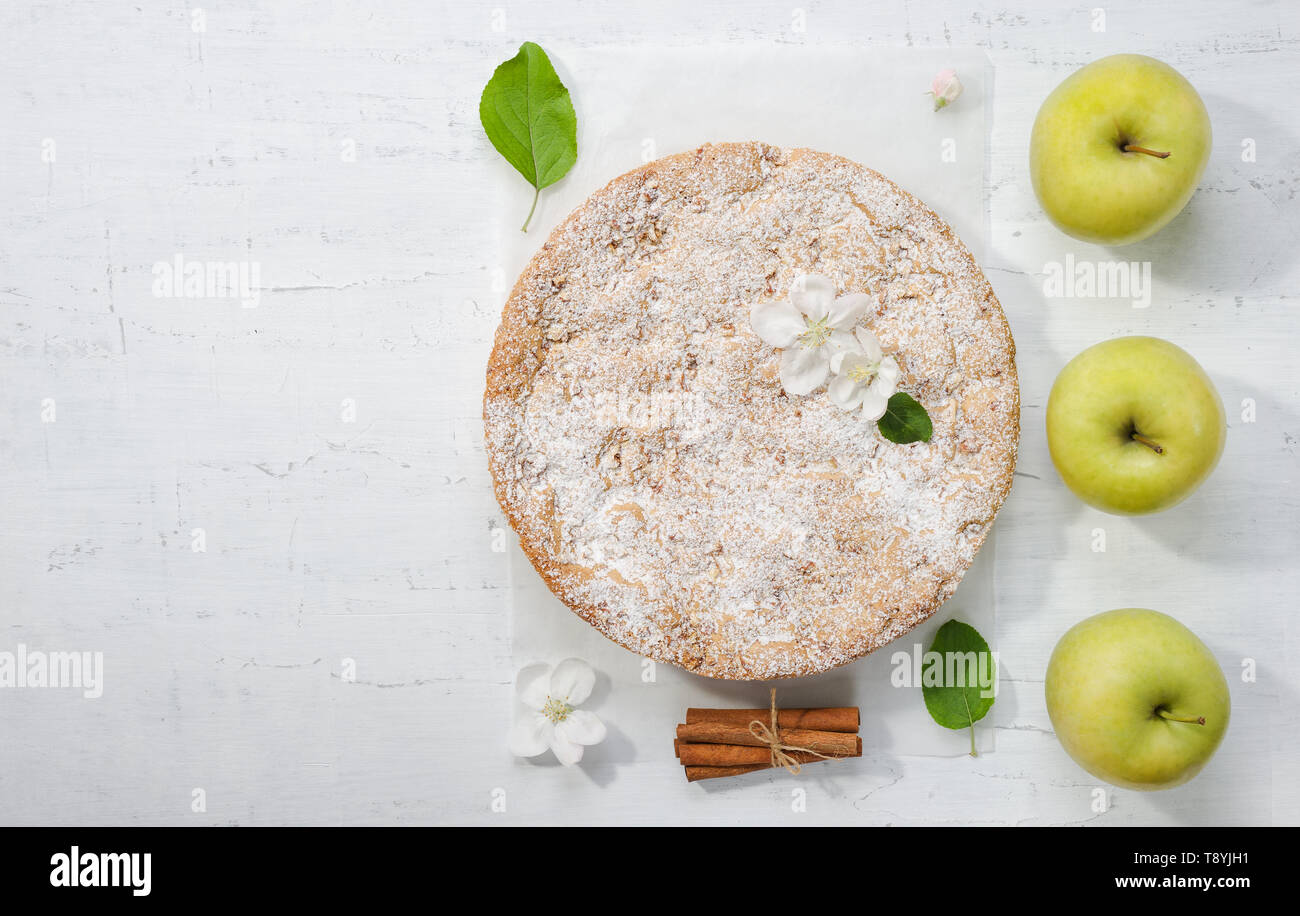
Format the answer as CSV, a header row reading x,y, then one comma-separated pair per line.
x,y
945,88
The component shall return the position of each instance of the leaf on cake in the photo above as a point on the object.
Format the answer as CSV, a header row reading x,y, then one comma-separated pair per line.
x,y
905,420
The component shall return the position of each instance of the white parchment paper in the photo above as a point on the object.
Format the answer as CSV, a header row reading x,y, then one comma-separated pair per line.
x,y
636,104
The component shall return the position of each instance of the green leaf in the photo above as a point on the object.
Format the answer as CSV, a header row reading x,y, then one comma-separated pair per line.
x,y
958,675
905,420
528,116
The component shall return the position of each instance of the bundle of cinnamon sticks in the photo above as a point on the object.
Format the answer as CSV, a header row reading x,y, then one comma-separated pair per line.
x,y
714,743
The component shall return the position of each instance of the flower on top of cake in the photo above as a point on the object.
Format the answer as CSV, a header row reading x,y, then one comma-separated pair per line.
x,y
863,379
818,336
809,327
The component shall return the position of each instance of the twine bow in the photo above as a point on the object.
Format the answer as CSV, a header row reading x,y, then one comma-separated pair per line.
x,y
781,753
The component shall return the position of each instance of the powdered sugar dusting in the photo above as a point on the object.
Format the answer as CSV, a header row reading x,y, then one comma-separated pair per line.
x,y
661,480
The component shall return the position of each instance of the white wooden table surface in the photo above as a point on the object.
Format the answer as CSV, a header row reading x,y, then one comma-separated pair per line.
x,y
339,652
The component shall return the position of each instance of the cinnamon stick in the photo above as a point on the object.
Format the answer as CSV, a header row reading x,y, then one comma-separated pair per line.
x,y
829,719
726,755
834,744
695,774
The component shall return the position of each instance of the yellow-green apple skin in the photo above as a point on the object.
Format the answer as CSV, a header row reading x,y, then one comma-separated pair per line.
x,y
1110,679
1090,187
1131,387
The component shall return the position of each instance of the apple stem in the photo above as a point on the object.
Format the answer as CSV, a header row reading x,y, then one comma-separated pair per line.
x,y
1192,720
1130,148
1149,443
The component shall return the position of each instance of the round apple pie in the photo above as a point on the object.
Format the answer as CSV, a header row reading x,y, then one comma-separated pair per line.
x,y
707,498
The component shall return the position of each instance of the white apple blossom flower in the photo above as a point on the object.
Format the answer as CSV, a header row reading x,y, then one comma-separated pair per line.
x,y
553,722
863,379
945,88
809,327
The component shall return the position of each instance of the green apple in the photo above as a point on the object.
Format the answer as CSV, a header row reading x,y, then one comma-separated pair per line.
x,y
1134,425
1136,699
1117,149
